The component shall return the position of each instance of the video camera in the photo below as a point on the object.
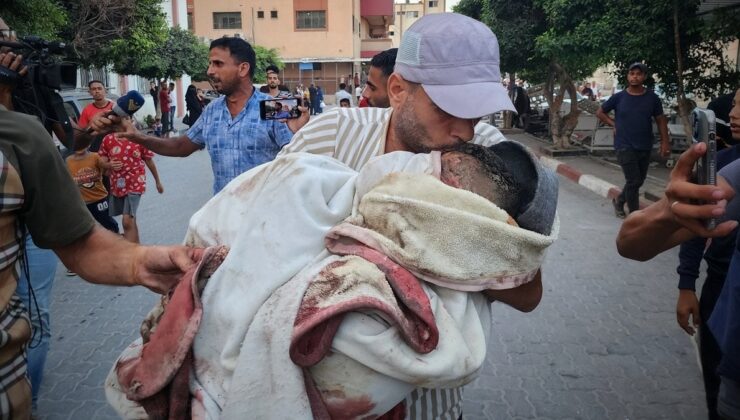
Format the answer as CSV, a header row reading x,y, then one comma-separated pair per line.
x,y
48,71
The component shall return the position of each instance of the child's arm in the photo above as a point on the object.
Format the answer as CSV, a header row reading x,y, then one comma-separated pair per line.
x,y
153,169
523,298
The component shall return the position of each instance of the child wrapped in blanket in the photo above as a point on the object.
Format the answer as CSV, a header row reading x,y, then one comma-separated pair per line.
x,y
275,219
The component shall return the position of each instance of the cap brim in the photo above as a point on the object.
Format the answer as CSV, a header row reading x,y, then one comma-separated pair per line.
x,y
472,100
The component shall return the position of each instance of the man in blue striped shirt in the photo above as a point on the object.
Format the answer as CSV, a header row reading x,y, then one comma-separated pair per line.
x,y
230,126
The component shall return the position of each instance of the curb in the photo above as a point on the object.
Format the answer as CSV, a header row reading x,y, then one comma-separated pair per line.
x,y
590,182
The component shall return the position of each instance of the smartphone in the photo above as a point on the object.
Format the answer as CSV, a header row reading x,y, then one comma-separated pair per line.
x,y
280,108
704,124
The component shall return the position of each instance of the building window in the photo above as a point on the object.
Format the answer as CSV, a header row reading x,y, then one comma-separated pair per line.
x,y
191,23
315,19
260,14
391,33
273,14
433,3
415,14
227,20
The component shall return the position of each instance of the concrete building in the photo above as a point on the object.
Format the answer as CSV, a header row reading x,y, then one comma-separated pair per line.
x,y
409,11
323,42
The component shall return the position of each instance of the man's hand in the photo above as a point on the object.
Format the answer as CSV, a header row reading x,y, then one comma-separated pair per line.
x,y
665,150
14,64
160,268
131,133
103,123
682,196
295,124
687,307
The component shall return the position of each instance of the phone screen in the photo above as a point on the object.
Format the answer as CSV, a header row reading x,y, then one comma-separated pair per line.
x,y
280,108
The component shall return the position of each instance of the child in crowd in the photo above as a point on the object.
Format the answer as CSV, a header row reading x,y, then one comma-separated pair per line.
x,y
158,127
87,170
127,179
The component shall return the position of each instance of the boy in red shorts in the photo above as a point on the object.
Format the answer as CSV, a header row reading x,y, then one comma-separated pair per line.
x,y
127,179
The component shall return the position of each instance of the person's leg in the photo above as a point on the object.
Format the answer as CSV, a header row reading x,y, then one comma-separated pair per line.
x,y
728,405
172,118
709,351
130,229
630,163
42,266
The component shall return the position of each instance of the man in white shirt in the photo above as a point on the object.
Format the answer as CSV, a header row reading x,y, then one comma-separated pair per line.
x,y
173,101
343,94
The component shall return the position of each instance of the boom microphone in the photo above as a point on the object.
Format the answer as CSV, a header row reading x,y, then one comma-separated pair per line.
x,y
125,106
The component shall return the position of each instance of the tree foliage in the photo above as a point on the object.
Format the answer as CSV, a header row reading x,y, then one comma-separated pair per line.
x,y
44,18
559,42
265,57
130,35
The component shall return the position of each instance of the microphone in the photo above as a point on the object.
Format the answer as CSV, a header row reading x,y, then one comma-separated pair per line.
x,y
125,106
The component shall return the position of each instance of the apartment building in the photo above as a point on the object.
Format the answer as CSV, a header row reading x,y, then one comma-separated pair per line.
x,y
409,11
324,42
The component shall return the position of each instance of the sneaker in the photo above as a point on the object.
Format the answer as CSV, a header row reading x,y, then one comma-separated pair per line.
x,y
71,273
618,209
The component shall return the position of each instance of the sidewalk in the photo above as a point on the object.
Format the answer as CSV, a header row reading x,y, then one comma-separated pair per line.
x,y
599,174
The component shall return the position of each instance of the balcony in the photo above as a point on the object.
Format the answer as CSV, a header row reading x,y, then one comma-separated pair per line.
x,y
377,12
372,46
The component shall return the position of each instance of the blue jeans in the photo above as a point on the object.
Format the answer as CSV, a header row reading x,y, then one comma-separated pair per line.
x,y
42,266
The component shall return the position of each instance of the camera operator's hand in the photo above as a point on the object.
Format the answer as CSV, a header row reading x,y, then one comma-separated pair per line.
x,y
13,62
13,68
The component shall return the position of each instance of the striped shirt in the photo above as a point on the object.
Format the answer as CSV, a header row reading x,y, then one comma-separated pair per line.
x,y
354,136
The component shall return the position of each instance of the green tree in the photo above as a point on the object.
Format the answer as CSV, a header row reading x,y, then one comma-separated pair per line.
x,y
44,18
265,57
683,49
548,42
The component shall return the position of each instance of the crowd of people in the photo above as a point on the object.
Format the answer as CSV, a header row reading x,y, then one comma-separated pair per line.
x,y
420,126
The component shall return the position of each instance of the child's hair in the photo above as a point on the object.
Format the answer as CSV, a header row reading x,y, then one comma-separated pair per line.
x,y
508,192
157,119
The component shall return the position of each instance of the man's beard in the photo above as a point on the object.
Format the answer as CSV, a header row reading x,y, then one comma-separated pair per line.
x,y
226,88
408,131
272,85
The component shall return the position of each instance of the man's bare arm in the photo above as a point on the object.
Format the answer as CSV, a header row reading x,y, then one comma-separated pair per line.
x,y
178,146
604,117
103,257
676,218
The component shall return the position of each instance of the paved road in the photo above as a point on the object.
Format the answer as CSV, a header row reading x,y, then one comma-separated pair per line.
x,y
603,344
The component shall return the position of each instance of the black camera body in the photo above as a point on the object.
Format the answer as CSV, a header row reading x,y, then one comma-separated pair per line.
x,y
35,94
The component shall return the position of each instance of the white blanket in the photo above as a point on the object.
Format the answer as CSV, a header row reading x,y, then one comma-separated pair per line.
x,y
274,219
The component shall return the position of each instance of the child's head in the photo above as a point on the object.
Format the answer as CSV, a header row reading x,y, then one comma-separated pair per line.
x,y
476,169
157,120
509,176
81,151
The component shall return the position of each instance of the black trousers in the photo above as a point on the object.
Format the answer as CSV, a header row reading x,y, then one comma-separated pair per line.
x,y
634,165
709,351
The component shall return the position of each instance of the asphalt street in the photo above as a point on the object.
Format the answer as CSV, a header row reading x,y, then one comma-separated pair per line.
x,y
603,344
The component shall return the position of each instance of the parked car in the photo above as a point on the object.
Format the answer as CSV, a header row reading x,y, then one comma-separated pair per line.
x,y
76,100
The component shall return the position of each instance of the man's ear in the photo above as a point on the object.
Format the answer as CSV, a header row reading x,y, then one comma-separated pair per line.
x,y
244,69
398,89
